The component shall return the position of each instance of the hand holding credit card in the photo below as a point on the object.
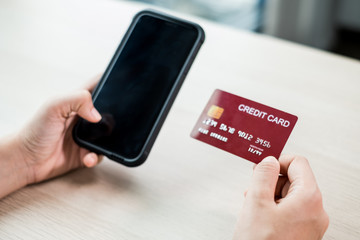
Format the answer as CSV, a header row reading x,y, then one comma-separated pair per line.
x,y
243,127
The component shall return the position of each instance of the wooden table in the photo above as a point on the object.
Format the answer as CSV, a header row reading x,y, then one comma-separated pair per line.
x,y
186,189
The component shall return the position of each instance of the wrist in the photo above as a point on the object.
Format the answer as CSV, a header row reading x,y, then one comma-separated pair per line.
x,y
14,171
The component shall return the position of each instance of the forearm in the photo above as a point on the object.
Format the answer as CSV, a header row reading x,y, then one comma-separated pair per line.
x,y
13,169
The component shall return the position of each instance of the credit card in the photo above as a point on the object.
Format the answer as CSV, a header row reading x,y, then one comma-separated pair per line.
x,y
243,127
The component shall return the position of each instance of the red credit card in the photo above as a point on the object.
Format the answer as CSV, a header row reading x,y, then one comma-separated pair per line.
x,y
243,127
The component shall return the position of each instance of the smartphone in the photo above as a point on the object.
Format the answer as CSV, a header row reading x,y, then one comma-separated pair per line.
x,y
139,86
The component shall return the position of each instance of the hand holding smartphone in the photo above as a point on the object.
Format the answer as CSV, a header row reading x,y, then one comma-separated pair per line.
x,y
139,86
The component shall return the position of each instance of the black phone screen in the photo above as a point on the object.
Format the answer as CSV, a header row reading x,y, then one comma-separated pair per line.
x,y
138,84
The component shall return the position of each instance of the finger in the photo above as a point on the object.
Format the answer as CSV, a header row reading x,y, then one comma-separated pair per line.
x,y
297,168
81,103
90,160
285,189
282,180
264,180
245,193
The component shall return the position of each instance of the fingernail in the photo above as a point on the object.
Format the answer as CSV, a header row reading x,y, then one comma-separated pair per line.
x,y
269,159
95,114
90,161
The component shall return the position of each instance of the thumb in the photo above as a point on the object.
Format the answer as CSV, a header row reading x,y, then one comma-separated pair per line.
x,y
81,103
264,180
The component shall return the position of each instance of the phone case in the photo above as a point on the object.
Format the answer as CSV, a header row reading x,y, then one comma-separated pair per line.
x,y
168,103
